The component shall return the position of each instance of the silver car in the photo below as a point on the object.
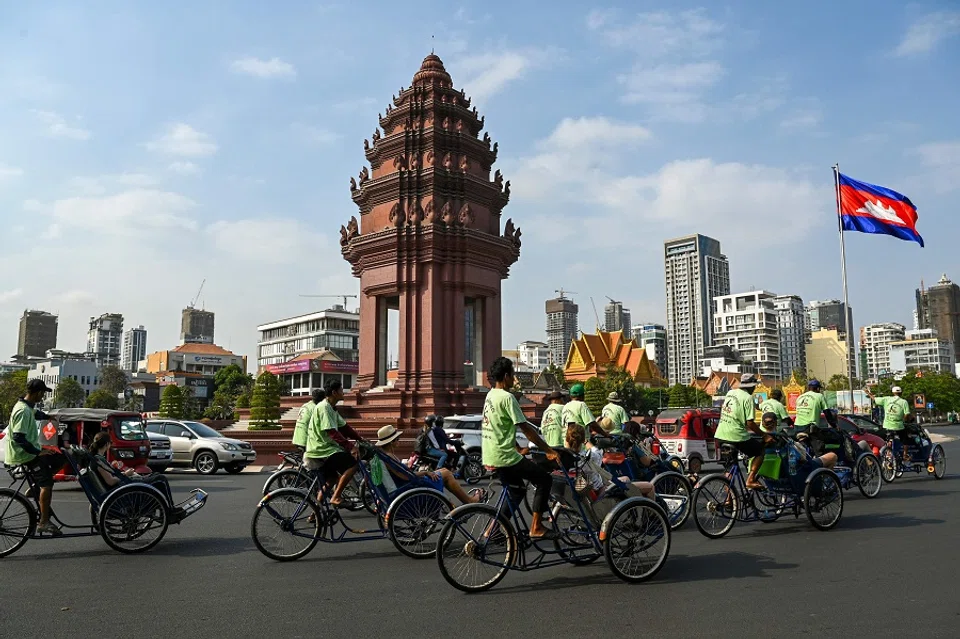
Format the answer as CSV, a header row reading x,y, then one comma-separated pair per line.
x,y
467,429
198,446
161,452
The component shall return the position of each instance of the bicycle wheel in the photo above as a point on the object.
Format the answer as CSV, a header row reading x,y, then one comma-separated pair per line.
x,y
414,521
769,505
867,474
675,491
888,464
475,549
574,536
18,521
472,469
289,478
366,497
716,507
939,460
823,500
286,524
133,519
637,541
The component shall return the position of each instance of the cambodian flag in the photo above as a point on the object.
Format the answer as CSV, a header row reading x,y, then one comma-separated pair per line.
x,y
869,208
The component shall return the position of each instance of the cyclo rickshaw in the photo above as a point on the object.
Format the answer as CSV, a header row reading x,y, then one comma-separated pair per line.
x,y
132,517
855,465
917,453
480,543
289,521
792,483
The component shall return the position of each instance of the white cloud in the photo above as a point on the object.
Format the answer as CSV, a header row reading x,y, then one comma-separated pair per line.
x,y
487,74
57,126
183,139
184,168
32,205
127,213
315,134
272,68
8,172
77,297
100,184
11,295
661,33
590,131
942,161
290,241
673,91
803,118
354,104
928,31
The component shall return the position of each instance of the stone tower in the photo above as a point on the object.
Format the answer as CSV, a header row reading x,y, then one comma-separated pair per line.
x,y
429,245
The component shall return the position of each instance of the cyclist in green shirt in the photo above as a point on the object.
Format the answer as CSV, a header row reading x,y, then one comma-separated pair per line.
x,y
576,411
304,417
775,405
810,406
738,426
896,412
551,424
613,416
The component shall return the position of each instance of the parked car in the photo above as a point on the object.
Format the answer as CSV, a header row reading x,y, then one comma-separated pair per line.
x,y
467,429
161,452
198,446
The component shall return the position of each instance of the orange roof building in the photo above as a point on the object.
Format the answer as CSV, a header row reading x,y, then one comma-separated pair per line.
x,y
591,356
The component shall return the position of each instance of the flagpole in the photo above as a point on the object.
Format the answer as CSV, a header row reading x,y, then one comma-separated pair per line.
x,y
843,273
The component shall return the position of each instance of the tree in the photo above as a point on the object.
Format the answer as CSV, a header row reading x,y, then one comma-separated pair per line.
x,y
679,396
113,379
557,372
69,394
838,382
171,402
134,404
221,407
102,398
698,397
800,376
13,386
595,394
265,403
232,381
243,400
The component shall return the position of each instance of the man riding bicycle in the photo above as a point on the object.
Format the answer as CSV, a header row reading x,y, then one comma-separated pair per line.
x,y
303,419
502,417
613,416
328,450
551,424
896,412
576,411
810,406
738,426
775,405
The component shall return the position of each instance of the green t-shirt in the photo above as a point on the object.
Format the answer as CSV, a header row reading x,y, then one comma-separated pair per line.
x,y
21,421
810,406
551,425
320,444
501,414
895,409
303,419
775,407
617,416
737,410
577,412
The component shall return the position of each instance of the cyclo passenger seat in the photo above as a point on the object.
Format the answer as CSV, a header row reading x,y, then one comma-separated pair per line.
x,y
728,454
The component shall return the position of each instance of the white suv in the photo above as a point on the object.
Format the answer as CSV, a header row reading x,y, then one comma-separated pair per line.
x,y
201,447
467,428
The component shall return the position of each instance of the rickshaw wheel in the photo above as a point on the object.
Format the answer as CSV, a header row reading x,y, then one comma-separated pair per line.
x,y
415,520
476,549
716,507
939,459
823,500
888,464
867,473
637,542
573,532
287,524
133,519
290,478
678,486
18,521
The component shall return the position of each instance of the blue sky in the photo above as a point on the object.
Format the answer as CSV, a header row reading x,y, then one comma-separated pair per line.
x,y
144,148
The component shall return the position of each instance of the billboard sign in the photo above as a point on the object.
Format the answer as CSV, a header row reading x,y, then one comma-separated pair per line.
x,y
285,368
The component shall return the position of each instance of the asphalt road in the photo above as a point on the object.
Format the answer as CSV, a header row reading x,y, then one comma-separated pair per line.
x,y
890,568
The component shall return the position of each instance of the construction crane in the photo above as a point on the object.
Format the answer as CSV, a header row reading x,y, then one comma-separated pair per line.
x,y
561,293
595,314
345,297
196,297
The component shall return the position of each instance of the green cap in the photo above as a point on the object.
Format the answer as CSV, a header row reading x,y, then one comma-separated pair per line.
x,y
576,390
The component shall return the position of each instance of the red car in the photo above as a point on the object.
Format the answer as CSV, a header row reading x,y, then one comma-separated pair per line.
x,y
861,428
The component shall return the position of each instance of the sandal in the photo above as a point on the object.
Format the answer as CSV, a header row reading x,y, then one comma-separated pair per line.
x,y
548,535
481,494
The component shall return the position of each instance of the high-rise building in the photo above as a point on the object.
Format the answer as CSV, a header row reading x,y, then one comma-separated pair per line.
x,y
105,339
38,333
696,273
335,329
134,348
747,322
875,340
536,356
826,354
829,315
616,318
791,323
653,338
196,326
938,307
922,350
562,327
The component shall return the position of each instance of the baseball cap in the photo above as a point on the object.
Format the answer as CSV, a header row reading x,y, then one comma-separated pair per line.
x,y
555,395
748,379
576,389
813,383
896,389
36,386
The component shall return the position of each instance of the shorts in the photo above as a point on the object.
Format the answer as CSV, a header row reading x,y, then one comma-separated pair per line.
x,y
752,447
424,482
43,467
332,466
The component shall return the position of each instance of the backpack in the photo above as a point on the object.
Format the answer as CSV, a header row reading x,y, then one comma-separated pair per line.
x,y
422,443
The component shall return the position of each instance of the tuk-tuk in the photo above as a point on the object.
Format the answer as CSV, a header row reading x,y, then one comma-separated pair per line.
x,y
689,434
130,445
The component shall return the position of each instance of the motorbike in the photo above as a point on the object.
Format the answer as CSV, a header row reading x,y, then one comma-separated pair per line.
x,y
463,465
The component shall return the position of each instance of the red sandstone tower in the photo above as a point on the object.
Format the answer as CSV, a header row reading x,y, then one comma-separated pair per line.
x,y
429,245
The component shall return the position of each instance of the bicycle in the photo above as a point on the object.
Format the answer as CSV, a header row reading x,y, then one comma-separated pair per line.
x,y
896,459
720,500
480,543
293,474
289,522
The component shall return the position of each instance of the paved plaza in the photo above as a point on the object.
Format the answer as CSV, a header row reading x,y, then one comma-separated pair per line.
x,y
890,567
